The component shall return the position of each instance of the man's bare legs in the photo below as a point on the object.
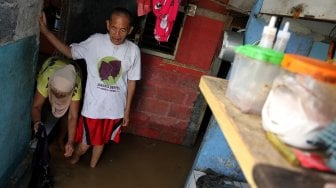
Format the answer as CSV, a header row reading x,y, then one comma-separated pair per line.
x,y
63,129
96,153
82,149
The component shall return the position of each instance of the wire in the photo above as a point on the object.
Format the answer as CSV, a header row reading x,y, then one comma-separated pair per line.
x,y
332,34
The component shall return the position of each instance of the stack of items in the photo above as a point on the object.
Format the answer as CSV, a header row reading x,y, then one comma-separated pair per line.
x,y
301,105
294,94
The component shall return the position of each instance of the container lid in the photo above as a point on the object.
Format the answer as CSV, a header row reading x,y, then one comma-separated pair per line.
x,y
318,69
262,54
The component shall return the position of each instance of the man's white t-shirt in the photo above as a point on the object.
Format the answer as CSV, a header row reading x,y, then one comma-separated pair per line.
x,y
109,67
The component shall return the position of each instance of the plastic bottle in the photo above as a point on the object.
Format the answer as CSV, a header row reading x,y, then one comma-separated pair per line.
x,y
268,35
282,39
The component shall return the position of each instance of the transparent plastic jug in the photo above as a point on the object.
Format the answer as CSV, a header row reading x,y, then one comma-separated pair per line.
x,y
253,71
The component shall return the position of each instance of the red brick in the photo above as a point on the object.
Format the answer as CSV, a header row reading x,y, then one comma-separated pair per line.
x,y
147,91
192,97
162,121
180,112
139,118
179,126
173,137
173,133
173,95
147,132
145,58
155,65
171,129
136,103
162,78
151,75
189,81
173,81
154,106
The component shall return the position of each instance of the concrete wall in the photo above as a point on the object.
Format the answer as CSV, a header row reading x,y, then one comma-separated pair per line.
x,y
18,57
164,100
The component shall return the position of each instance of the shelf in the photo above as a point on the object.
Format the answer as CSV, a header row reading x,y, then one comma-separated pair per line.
x,y
245,136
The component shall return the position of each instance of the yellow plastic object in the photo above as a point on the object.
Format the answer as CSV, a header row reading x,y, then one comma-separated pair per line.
x,y
283,149
318,69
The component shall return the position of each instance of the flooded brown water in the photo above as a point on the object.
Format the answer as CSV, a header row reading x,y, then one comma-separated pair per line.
x,y
136,162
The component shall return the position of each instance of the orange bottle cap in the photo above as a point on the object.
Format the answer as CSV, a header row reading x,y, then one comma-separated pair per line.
x,y
318,69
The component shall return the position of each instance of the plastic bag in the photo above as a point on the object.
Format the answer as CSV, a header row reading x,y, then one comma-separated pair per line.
x,y
41,177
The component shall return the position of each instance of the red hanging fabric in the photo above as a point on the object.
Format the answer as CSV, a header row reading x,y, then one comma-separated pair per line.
x,y
165,12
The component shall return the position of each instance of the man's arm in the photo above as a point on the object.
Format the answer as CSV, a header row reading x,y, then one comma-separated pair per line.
x,y
72,124
37,109
58,44
131,85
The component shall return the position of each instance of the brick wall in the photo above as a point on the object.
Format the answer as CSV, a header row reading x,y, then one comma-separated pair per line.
x,y
166,97
164,100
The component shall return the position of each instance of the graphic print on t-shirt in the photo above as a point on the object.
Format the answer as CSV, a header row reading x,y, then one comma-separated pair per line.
x,y
109,69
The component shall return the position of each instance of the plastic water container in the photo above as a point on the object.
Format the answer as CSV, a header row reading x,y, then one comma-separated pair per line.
x,y
302,100
253,71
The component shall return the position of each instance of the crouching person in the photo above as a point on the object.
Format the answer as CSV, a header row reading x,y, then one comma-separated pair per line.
x,y
57,97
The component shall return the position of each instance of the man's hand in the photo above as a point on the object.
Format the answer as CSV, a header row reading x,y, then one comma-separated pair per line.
x,y
36,126
69,148
125,120
57,43
43,23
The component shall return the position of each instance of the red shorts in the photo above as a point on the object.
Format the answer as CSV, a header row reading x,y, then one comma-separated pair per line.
x,y
97,131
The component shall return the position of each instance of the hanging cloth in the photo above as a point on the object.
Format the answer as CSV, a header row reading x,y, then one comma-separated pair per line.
x,y
144,7
165,12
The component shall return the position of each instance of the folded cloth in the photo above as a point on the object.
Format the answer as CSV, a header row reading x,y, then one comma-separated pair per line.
x,y
326,139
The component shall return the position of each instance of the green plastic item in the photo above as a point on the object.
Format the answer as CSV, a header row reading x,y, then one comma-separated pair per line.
x,y
266,55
